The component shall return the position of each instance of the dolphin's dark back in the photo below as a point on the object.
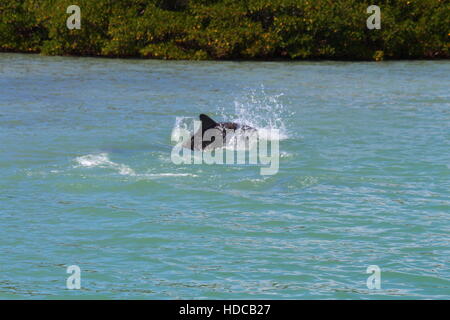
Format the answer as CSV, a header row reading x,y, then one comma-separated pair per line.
x,y
208,123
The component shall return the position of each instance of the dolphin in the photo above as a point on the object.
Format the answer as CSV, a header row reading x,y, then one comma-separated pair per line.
x,y
223,128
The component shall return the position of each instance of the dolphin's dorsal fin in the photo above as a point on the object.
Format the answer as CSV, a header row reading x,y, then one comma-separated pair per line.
x,y
207,122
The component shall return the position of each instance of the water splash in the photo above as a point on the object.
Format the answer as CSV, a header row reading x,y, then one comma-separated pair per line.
x,y
256,109
262,111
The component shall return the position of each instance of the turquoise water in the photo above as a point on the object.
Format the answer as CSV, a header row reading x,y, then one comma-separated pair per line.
x,y
87,179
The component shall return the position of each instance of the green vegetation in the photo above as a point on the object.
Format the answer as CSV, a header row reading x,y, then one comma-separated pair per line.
x,y
229,29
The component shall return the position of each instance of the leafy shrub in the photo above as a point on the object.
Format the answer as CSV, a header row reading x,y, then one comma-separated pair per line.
x,y
229,29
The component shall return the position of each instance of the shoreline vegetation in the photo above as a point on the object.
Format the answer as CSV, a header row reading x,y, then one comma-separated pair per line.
x,y
229,29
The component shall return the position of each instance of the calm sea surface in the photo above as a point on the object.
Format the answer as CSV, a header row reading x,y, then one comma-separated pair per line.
x,y
86,179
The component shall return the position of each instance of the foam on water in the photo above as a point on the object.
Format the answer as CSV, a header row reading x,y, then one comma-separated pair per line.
x,y
102,160
169,175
